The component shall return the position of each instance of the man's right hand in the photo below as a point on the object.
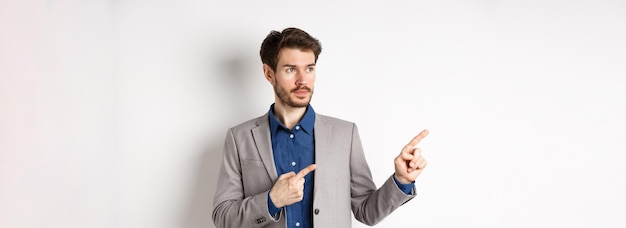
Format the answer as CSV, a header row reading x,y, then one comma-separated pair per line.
x,y
289,188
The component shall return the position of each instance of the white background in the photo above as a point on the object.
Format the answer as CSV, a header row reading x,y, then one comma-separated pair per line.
x,y
113,113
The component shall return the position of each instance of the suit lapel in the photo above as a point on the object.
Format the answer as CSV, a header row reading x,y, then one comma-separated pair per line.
x,y
263,141
322,142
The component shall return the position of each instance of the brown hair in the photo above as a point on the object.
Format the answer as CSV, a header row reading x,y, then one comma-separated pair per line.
x,y
288,38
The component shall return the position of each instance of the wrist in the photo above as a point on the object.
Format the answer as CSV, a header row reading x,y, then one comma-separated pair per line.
x,y
401,179
272,208
274,202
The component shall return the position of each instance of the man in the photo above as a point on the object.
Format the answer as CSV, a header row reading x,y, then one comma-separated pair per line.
x,y
293,167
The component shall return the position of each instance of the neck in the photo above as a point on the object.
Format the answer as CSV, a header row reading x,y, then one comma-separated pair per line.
x,y
288,115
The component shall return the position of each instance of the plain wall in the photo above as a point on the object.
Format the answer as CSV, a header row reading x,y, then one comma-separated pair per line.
x,y
113,113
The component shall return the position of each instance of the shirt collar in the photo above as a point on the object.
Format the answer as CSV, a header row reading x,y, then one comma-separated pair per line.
x,y
306,123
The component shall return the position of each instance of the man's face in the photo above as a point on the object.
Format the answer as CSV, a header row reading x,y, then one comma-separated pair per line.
x,y
294,77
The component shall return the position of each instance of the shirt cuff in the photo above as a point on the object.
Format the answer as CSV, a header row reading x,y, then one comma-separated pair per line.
x,y
406,188
271,208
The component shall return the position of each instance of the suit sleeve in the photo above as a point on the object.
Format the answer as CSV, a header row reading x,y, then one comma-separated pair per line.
x,y
231,209
371,205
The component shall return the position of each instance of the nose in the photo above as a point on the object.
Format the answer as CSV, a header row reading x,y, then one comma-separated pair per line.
x,y
301,82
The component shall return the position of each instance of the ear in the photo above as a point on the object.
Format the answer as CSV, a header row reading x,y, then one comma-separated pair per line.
x,y
269,73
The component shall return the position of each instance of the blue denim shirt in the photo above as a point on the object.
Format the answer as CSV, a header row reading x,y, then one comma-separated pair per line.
x,y
294,149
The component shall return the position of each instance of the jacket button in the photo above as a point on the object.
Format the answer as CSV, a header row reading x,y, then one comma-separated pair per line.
x,y
260,220
316,211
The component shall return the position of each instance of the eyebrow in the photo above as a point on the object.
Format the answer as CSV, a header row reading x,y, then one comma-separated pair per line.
x,y
291,65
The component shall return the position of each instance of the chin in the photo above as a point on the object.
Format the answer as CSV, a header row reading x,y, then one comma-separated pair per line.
x,y
299,104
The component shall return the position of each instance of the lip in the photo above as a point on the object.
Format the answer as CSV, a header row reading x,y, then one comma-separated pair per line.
x,y
301,92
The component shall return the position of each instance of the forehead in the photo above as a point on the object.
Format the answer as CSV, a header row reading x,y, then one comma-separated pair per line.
x,y
294,56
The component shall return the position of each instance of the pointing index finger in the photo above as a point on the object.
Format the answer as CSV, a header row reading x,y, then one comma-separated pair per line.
x,y
417,139
306,171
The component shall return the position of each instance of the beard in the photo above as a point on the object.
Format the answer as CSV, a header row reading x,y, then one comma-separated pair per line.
x,y
285,97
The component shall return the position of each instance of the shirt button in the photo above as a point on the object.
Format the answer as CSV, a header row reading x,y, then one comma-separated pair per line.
x,y
297,127
291,136
316,211
293,163
297,223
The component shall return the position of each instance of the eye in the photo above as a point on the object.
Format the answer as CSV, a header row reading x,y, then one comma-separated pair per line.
x,y
290,70
310,69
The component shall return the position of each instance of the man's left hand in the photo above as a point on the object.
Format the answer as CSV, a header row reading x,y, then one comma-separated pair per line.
x,y
410,163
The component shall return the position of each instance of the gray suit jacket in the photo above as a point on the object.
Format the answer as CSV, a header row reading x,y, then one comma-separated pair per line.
x,y
343,181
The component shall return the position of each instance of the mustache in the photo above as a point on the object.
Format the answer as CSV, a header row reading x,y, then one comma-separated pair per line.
x,y
301,88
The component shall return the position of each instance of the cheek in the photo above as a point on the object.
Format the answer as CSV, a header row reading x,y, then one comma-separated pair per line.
x,y
311,79
283,82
